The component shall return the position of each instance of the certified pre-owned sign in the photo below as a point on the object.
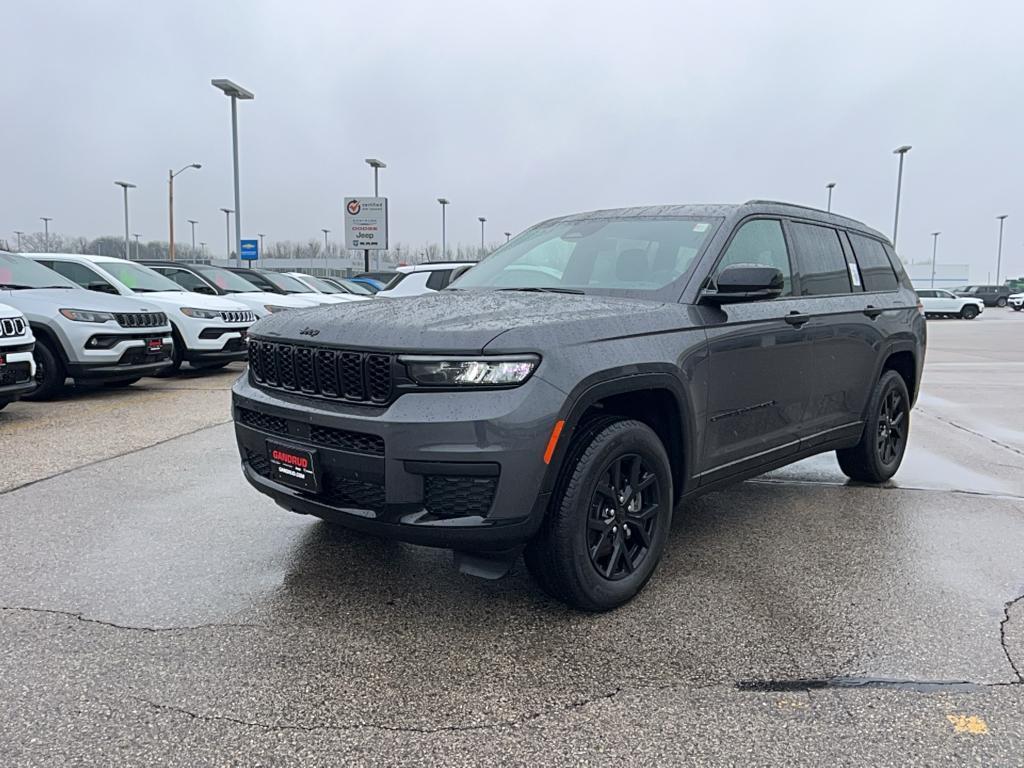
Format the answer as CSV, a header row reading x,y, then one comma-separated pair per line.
x,y
366,223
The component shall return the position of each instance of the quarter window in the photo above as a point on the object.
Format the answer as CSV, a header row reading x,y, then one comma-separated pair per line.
x,y
875,267
760,242
438,279
823,268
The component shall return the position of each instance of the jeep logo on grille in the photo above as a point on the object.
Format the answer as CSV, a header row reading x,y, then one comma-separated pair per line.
x,y
309,332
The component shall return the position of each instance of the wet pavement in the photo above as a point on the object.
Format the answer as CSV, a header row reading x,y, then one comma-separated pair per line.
x,y
156,610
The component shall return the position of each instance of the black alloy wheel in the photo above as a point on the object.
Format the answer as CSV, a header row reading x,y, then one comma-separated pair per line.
x,y
891,434
624,511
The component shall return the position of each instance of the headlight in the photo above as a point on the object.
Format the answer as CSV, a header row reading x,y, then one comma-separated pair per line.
x,y
503,371
272,308
201,314
87,316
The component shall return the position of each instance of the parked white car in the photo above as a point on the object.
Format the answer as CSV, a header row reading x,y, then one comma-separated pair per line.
x,y
285,285
418,279
209,331
325,288
1016,300
939,302
17,368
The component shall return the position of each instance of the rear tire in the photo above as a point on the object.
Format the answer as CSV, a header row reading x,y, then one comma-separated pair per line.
x,y
1001,302
50,372
878,455
609,518
968,312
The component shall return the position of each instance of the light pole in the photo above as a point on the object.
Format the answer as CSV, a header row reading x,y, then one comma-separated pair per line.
x,y
46,228
236,92
193,222
325,231
376,165
482,221
19,233
261,235
127,242
901,151
227,224
999,250
170,203
202,249
508,236
138,249
444,242
830,186
935,247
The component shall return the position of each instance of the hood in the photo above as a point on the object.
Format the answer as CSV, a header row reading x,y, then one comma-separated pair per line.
x,y
43,303
258,300
178,299
7,310
470,321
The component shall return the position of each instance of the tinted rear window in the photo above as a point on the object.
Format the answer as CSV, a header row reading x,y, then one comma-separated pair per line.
x,y
875,268
823,270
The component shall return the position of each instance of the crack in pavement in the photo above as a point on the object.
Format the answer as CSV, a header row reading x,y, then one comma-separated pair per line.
x,y
86,620
970,431
512,723
195,431
851,484
1002,637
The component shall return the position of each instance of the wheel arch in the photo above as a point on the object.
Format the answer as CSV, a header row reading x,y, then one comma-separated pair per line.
x,y
654,395
46,334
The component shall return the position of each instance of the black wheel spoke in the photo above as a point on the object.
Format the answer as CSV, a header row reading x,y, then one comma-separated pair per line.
x,y
641,533
647,482
597,524
608,493
614,559
617,478
645,514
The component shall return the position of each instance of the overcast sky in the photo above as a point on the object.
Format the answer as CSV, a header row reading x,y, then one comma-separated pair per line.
x,y
514,111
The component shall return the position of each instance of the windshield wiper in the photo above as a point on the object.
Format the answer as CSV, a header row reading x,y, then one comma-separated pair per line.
x,y
14,287
537,289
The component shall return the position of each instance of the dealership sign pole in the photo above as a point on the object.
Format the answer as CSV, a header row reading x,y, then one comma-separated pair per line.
x,y
366,225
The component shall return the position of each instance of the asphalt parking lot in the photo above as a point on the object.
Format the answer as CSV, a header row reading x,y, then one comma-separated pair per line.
x,y
156,610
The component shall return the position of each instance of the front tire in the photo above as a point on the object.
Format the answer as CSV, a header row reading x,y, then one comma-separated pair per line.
x,y
1018,307
177,357
878,455
50,373
969,312
609,517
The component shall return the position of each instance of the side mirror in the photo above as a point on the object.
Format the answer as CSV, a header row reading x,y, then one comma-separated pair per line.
x,y
101,286
205,289
745,282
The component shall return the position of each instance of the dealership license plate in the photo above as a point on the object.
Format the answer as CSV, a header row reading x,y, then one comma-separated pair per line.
x,y
154,346
293,466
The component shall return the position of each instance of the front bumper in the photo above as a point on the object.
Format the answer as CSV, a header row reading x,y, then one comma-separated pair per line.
x,y
410,472
217,345
1016,301
17,374
134,360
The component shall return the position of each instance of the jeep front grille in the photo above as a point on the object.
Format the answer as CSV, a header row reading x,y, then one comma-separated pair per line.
x,y
358,377
238,316
12,326
140,319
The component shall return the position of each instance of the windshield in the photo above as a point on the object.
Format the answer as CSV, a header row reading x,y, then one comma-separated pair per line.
x,y
285,283
228,282
17,272
617,256
354,287
321,285
139,278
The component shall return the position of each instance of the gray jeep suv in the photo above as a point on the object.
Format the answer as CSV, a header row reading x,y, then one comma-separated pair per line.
x,y
568,392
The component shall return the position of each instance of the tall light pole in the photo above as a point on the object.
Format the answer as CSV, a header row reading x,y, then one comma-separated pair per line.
x,y
935,248
901,151
46,228
830,186
19,233
261,236
999,250
236,92
227,224
508,236
325,231
376,165
202,249
193,222
170,203
127,242
138,249
482,221
444,233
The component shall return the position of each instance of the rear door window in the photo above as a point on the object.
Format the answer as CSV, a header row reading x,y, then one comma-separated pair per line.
x,y
78,273
438,279
819,254
875,268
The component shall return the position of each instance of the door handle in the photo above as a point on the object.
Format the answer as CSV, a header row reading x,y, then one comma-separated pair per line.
x,y
872,311
796,318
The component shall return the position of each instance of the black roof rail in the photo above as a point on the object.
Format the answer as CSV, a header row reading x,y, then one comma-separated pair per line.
x,y
859,224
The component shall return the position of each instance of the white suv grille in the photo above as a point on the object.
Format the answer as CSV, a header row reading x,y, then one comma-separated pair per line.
x,y
238,316
12,326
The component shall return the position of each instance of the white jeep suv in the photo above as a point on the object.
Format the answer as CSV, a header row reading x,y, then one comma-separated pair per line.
x,y
418,279
209,331
17,369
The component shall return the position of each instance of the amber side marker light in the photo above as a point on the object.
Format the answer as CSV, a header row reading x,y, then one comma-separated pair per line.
x,y
553,440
